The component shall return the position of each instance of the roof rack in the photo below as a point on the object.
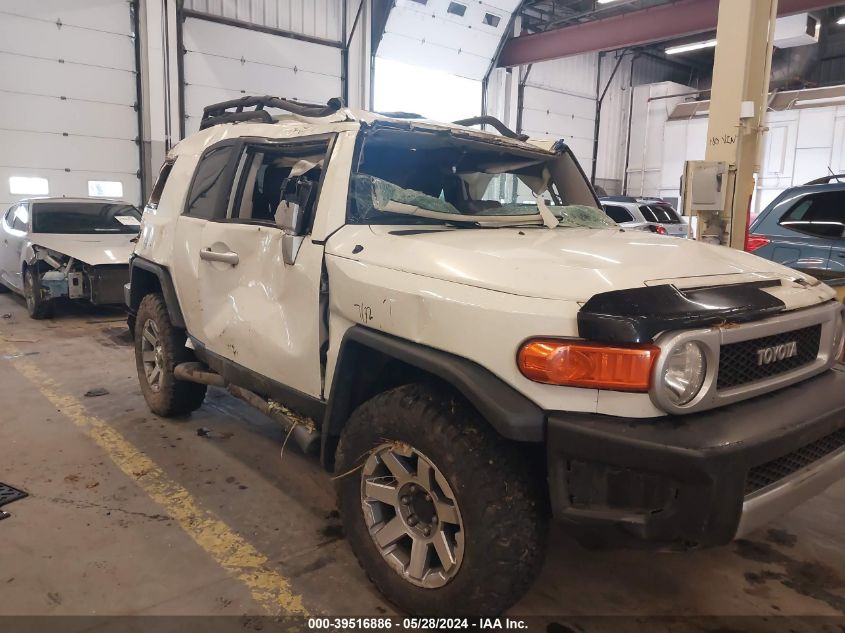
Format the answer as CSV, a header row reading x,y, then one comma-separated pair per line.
x,y
503,129
219,113
824,180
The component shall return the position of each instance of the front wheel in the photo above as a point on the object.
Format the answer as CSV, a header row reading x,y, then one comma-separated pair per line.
x,y
444,515
159,347
37,306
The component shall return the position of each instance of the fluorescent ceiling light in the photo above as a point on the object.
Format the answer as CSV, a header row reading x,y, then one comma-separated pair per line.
x,y
606,1
685,48
819,101
841,20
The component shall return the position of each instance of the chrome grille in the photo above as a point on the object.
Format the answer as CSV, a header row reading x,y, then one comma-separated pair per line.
x,y
738,363
771,472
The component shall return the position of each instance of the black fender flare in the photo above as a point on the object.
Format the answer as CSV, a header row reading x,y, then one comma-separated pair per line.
x,y
165,282
509,412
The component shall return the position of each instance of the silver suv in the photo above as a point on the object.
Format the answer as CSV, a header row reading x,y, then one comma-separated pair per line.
x,y
647,214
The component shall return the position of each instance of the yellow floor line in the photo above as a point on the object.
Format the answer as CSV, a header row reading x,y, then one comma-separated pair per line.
x,y
269,589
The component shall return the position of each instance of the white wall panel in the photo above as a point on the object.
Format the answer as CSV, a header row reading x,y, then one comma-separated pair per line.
x,y
613,130
68,92
53,115
86,83
557,115
315,18
575,75
811,163
815,128
800,145
104,16
559,102
837,159
225,62
646,160
779,144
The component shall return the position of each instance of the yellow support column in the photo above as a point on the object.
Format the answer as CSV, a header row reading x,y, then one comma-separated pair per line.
x,y
738,104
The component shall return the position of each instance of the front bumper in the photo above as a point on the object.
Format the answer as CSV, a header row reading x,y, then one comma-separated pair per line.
x,y
701,479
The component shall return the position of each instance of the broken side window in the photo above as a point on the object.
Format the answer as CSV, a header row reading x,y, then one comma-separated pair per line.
x,y
271,174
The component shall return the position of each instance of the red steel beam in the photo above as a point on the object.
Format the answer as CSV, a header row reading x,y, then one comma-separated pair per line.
x,y
668,21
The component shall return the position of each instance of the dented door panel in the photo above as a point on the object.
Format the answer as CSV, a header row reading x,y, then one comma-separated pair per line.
x,y
256,310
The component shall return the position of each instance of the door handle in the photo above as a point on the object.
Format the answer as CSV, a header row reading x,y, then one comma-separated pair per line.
x,y
227,258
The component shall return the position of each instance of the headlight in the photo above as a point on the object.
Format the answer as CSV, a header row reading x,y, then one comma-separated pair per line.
x,y
684,372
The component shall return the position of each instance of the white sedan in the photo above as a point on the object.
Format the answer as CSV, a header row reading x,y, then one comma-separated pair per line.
x,y
74,248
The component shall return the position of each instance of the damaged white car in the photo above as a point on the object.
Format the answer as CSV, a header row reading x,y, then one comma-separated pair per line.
x,y
73,248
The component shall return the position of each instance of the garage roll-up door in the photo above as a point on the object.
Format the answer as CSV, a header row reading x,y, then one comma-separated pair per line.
x,y
222,62
68,92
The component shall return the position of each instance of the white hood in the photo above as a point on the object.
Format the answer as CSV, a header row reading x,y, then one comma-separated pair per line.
x,y
95,250
571,264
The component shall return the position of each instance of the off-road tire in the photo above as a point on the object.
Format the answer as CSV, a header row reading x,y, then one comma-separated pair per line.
x,y
174,397
500,499
37,306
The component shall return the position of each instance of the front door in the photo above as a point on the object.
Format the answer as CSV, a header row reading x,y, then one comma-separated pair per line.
x,y
258,311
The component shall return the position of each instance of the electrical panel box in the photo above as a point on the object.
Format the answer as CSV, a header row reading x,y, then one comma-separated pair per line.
x,y
704,185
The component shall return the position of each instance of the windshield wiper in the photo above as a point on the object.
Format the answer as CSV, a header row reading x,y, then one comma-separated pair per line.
x,y
463,224
517,225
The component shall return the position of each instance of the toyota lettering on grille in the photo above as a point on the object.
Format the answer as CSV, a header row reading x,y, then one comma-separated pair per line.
x,y
769,355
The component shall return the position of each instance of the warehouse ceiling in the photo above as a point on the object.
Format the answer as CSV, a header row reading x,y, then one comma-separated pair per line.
x,y
793,68
542,15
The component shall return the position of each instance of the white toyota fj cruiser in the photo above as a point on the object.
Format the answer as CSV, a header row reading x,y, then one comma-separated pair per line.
x,y
473,346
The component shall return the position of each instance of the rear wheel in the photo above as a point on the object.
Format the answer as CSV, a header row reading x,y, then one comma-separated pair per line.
x,y
37,306
443,514
159,347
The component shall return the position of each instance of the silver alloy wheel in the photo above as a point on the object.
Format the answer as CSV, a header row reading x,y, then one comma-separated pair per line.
x,y
151,355
412,515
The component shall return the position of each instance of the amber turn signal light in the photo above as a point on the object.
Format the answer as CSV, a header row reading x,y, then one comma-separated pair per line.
x,y
593,365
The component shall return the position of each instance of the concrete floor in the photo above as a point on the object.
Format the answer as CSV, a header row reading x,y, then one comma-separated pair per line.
x,y
96,536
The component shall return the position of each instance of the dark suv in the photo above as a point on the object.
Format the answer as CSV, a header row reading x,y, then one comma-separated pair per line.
x,y
804,228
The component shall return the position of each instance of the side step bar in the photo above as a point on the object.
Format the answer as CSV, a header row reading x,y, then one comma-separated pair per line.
x,y
302,429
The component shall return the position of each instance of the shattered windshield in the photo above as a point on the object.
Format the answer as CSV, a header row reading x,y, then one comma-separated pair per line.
x,y
421,177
